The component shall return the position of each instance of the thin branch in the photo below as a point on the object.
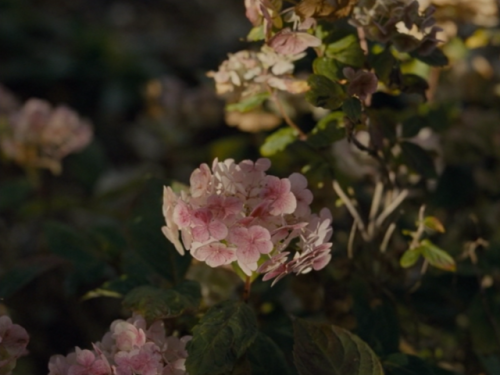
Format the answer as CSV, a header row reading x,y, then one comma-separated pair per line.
x,y
350,243
351,137
387,237
288,120
246,290
390,209
377,196
354,213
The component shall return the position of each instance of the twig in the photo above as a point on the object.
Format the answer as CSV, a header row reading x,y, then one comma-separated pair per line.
x,y
362,40
351,209
377,195
350,243
351,137
246,290
389,209
387,237
288,120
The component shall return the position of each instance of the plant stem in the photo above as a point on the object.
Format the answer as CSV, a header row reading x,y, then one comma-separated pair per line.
x,y
246,290
288,120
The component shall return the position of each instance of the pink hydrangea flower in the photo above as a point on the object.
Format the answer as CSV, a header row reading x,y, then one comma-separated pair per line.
x,y
40,136
13,342
237,213
129,348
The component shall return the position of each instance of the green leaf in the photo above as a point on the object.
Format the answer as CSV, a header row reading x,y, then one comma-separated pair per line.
x,y
266,358
147,238
324,349
352,108
65,242
491,363
482,324
413,125
327,67
437,257
404,364
257,33
410,257
324,92
222,336
278,141
436,58
418,159
154,303
327,131
414,84
433,223
383,64
347,50
116,288
249,103
377,321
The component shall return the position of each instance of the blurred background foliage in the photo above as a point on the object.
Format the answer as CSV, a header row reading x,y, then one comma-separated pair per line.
x,y
137,70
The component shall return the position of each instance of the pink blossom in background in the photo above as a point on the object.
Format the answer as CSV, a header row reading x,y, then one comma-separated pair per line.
x,y
129,348
13,342
237,213
39,136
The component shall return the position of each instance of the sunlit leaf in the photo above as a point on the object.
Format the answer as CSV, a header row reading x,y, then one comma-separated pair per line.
x,y
410,257
278,141
327,131
347,51
437,257
221,337
324,349
433,223
249,103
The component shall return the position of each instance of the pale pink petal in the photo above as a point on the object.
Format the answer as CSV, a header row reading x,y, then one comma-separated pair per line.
x,y
182,214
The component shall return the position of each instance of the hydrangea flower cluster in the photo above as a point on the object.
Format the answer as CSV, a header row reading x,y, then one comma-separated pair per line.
x,y
380,20
237,213
247,73
13,342
129,348
39,136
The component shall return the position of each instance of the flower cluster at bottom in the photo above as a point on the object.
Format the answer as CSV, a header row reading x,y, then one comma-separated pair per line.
x,y
13,342
236,213
129,348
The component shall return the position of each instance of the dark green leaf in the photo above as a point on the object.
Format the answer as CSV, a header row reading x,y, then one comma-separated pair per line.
x,y
116,288
418,159
266,357
278,141
410,257
481,328
435,58
222,336
383,64
377,322
65,242
248,104
327,131
324,92
352,108
414,84
147,238
413,125
323,349
491,363
347,50
437,257
327,67
154,303
403,364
